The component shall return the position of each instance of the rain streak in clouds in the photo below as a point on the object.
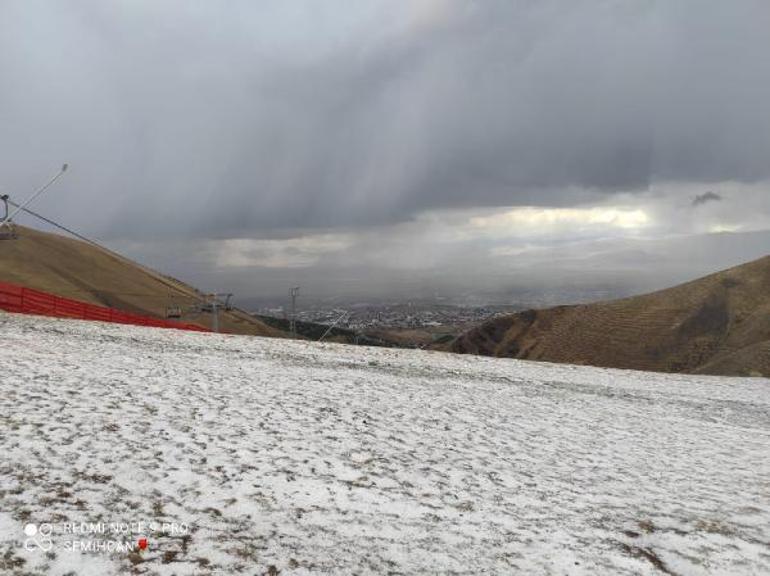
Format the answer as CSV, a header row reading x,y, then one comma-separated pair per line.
x,y
262,142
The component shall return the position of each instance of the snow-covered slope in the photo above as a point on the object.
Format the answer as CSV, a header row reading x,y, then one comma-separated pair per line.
x,y
245,455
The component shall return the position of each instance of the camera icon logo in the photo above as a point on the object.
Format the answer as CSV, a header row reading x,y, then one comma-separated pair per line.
x,y
38,537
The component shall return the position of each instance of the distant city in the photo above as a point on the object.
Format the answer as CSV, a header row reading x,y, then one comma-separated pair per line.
x,y
402,315
427,313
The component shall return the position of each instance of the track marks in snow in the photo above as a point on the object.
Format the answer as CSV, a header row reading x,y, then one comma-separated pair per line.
x,y
321,458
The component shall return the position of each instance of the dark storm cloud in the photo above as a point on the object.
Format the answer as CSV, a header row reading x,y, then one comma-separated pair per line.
x,y
233,118
709,196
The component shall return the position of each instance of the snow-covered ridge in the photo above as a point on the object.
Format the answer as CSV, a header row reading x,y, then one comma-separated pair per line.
x,y
273,455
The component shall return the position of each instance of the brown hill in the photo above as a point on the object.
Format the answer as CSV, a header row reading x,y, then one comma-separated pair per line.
x,y
719,324
76,269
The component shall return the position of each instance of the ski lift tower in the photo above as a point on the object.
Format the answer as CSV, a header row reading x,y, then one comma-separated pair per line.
x,y
214,303
7,227
7,232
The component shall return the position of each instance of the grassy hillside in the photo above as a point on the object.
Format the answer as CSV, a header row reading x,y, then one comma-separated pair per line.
x,y
719,324
78,270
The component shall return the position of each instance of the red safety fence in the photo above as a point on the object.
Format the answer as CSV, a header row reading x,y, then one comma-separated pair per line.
x,y
23,300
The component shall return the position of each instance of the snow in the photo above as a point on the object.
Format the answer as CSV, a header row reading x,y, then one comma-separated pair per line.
x,y
302,458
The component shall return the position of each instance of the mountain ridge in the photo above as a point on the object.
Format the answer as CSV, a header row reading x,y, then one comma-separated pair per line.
x,y
75,269
717,324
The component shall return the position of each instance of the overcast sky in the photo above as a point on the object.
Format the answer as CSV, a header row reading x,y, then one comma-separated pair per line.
x,y
360,145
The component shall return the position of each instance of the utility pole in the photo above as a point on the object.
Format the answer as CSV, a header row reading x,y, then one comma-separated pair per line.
x,y
293,324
